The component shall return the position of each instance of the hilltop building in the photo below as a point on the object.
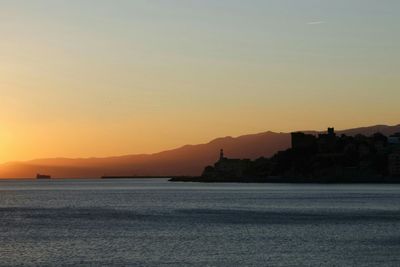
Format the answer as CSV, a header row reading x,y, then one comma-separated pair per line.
x,y
327,142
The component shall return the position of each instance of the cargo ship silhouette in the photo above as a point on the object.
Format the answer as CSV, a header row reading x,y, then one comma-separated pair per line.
x,y
42,176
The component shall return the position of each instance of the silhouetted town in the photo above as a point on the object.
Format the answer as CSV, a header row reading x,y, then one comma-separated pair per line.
x,y
317,158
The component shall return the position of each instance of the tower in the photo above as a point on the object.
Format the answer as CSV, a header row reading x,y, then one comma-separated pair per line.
x,y
221,154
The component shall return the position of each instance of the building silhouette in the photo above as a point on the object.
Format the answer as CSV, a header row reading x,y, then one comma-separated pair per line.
x,y
325,157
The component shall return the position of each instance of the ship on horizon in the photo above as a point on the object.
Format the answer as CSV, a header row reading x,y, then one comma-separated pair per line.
x,y
42,176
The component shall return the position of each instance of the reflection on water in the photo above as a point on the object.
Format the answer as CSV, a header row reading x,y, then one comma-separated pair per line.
x,y
154,223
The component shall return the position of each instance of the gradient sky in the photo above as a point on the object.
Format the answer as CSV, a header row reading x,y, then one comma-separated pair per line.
x,y
99,78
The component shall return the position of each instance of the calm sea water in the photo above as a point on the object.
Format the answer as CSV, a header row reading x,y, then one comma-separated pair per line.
x,y
158,223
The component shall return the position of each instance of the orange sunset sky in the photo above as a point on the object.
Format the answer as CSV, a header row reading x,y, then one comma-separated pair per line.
x,y
101,78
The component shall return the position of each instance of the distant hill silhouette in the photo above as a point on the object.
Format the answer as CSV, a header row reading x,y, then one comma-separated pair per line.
x,y
186,160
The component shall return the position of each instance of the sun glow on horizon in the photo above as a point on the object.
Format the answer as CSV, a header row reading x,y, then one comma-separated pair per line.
x,y
99,78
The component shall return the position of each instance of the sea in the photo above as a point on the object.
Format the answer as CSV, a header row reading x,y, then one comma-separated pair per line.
x,y
153,222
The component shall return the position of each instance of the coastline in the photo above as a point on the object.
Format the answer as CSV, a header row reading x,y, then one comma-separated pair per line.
x,y
200,179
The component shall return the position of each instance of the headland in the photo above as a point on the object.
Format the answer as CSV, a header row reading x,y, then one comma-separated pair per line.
x,y
322,158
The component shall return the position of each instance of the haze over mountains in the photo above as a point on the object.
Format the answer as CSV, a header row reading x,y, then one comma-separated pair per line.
x,y
186,160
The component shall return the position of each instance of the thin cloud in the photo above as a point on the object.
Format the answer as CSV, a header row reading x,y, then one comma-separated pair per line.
x,y
316,22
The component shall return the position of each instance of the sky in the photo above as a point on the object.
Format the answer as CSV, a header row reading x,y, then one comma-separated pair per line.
x,y
101,78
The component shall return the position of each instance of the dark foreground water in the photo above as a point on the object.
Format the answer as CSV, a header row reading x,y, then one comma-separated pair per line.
x,y
157,223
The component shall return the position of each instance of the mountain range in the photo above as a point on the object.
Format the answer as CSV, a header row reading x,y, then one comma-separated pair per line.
x,y
187,160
